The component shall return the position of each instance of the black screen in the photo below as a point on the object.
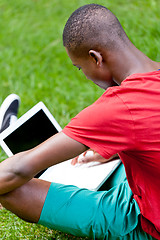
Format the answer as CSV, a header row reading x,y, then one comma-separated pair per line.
x,y
31,133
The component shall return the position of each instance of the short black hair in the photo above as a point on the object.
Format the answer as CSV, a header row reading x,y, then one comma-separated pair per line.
x,y
92,26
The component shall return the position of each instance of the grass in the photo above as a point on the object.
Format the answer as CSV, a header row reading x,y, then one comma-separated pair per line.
x,y
12,228
34,65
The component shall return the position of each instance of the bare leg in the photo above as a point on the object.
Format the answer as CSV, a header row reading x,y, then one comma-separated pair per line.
x,y
27,201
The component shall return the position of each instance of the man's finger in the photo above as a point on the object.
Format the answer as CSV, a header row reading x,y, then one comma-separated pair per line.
x,y
87,159
74,160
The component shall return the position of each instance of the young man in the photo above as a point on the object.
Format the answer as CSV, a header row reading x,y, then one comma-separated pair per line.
x,y
124,120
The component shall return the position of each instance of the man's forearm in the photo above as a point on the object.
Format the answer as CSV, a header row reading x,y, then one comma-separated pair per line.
x,y
22,167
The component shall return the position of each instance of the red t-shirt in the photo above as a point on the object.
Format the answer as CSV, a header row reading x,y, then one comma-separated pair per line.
x,y
126,120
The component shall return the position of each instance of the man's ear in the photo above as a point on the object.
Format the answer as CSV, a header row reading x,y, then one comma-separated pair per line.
x,y
96,56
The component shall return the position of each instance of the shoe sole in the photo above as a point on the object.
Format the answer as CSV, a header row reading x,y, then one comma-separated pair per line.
x,y
5,105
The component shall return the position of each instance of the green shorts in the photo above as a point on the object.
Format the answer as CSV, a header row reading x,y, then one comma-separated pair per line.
x,y
109,214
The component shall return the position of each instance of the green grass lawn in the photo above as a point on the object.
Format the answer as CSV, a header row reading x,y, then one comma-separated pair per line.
x,y
35,66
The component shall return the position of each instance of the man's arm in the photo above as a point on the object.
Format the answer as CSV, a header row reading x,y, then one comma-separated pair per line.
x,y
22,167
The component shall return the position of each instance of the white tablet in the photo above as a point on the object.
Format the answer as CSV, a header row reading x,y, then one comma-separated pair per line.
x,y
37,125
34,127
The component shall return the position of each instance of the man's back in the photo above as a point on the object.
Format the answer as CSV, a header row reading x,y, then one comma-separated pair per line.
x,y
126,120
142,164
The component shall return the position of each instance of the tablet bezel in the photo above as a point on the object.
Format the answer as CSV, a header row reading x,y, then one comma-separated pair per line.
x,y
39,106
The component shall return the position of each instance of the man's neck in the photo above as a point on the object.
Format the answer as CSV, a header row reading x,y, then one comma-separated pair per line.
x,y
130,61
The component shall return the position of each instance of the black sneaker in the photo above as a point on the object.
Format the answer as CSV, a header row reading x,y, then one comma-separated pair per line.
x,y
8,111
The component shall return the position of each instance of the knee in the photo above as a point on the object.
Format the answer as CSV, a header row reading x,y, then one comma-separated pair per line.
x,y
27,201
9,199
13,202
5,199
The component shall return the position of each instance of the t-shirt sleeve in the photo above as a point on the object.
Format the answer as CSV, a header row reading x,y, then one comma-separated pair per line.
x,y
106,126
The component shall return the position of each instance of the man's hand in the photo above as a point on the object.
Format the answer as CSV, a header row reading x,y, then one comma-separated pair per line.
x,y
92,156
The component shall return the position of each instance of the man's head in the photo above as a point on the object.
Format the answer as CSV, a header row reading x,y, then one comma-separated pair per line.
x,y
89,32
92,27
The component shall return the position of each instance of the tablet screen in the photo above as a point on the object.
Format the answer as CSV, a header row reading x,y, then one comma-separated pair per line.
x,y
31,133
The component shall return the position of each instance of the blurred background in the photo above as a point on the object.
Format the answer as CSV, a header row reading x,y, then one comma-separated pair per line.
x,y
34,65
